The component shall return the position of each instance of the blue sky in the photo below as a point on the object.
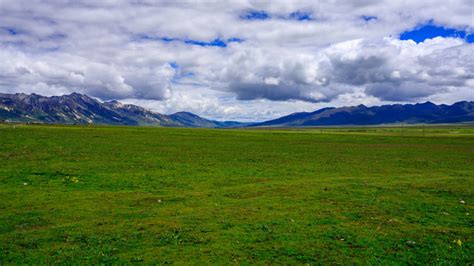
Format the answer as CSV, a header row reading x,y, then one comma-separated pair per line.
x,y
255,15
430,31
216,42
246,60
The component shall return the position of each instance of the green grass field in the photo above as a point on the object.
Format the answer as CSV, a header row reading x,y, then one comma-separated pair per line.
x,y
71,194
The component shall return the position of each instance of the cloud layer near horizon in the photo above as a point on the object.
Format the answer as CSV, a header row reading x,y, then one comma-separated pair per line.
x,y
237,59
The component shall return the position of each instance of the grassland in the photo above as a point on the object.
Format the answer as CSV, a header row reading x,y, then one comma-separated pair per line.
x,y
71,194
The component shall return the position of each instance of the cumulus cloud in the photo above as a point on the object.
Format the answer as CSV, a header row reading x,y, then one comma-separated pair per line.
x,y
397,70
220,60
75,73
279,75
389,69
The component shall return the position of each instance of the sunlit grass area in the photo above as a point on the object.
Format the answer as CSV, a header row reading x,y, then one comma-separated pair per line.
x,y
78,194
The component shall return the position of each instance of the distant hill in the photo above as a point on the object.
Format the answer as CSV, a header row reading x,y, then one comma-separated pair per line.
x,y
387,114
81,109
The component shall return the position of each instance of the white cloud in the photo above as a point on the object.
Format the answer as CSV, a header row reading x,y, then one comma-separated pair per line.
x,y
113,49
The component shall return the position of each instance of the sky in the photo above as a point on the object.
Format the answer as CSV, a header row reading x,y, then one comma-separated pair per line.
x,y
240,60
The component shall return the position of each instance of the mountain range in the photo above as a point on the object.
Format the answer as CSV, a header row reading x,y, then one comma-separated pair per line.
x,y
420,113
81,109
